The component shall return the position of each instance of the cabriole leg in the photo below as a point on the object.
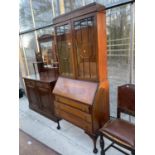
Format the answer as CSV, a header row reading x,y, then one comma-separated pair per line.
x,y
94,141
94,138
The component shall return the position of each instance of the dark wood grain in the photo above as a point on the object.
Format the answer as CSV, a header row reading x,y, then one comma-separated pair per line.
x,y
82,89
126,99
39,89
77,90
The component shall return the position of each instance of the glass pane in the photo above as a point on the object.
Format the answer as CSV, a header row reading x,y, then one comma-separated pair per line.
x,y
69,5
23,71
50,44
29,48
133,67
72,4
133,43
108,3
88,1
53,58
77,3
55,8
85,48
25,16
49,30
46,53
42,10
64,44
118,44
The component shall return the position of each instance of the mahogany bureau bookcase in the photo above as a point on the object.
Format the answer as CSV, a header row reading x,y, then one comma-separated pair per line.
x,y
82,89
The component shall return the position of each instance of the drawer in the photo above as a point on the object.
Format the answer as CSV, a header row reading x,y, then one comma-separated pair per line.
x,y
73,111
42,84
72,103
74,120
30,83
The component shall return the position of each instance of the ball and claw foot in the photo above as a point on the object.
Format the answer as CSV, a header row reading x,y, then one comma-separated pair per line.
x,y
95,150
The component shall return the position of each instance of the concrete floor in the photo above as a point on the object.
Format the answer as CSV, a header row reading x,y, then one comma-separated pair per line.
x,y
67,141
30,146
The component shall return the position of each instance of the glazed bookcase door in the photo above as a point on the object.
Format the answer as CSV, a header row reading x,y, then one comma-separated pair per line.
x,y
64,49
84,32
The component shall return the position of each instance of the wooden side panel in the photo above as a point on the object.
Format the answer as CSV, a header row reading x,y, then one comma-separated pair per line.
x,y
102,46
46,100
100,111
126,99
32,94
33,97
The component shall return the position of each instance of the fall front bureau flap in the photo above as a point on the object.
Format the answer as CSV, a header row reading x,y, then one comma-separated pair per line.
x,y
77,90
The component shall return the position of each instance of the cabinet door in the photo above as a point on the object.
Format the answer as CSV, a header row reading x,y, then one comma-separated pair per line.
x,y
85,47
46,100
33,97
64,48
